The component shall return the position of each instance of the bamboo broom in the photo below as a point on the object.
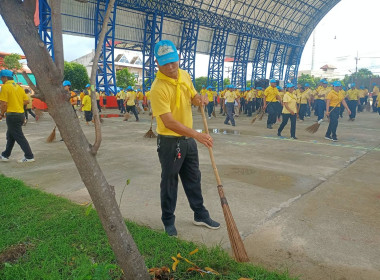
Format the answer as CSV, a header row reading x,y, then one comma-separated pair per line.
x,y
150,133
314,128
233,233
51,137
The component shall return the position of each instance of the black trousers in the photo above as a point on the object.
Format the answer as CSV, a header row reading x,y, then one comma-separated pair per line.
x,y
293,120
98,104
272,109
15,134
302,112
30,112
333,125
187,167
134,110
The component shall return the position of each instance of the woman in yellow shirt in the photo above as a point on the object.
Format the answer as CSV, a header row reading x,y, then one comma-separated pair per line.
x,y
333,101
289,111
86,107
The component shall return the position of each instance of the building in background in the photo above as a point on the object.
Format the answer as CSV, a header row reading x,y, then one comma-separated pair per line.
x,y
327,71
123,59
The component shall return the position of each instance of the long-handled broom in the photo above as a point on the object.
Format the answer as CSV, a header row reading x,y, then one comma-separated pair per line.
x,y
314,128
150,133
51,137
258,114
233,232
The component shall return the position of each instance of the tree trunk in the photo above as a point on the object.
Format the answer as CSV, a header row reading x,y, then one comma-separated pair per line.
x,y
49,79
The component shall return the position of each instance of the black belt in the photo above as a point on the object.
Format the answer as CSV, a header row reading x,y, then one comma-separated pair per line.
x,y
13,113
174,137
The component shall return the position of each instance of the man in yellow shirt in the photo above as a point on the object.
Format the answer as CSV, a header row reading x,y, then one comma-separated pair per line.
x,y
259,98
130,102
271,98
375,94
28,107
12,101
320,104
353,97
304,101
289,111
361,99
333,102
230,98
172,95
250,98
140,100
210,96
86,107
147,95
120,96
309,93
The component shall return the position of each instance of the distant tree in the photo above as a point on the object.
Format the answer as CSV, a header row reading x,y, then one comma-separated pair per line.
x,y
361,78
226,81
12,62
125,78
311,80
77,74
199,82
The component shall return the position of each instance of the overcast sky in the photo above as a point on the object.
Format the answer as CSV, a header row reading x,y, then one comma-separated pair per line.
x,y
351,26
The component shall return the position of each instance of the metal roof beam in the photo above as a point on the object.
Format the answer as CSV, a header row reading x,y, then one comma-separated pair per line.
x,y
239,68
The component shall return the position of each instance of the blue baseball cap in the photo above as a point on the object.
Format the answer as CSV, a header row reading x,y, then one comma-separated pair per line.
x,y
272,81
129,88
66,83
259,88
353,84
337,84
203,85
374,84
307,85
289,85
165,52
88,85
361,87
138,89
6,73
325,82
279,88
209,87
148,88
247,89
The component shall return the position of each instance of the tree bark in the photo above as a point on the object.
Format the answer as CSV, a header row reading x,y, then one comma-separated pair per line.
x,y
48,77
56,26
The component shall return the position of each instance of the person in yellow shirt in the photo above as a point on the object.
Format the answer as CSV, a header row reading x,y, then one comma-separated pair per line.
x,y
86,107
140,100
319,99
130,102
333,102
343,91
120,96
259,98
377,104
222,102
230,99
271,98
12,101
211,97
97,96
353,97
303,101
28,107
361,99
289,111
375,94
279,105
250,97
309,92
147,96
172,95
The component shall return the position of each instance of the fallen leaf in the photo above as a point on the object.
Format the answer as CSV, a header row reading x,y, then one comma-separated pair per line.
x,y
193,252
211,270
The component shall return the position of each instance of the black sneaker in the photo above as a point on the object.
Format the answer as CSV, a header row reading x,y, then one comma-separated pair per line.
x,y
269,126
210,223
293,138
335,139
278,134
328,137
171,230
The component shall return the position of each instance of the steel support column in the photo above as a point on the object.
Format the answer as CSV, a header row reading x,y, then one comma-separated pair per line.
x,y
106,67
188,47
152,35
216,63
45,28
291,73
278,62
239,68
260,62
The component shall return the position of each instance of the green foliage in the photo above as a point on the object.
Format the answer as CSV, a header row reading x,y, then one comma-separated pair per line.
x,y
12,62
124,78
362,78
306,78
76,74
199,82
64,243
226,81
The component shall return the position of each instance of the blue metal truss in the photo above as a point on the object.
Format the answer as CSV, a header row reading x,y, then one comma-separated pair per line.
x,y
239,68
152,35
293,64
259,67
216,63
209,18
45,28
188,47
105,76
278,62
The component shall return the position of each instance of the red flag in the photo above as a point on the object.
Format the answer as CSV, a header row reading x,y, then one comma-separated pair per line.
x,y
37,14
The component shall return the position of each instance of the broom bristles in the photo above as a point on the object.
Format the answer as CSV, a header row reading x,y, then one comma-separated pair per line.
x,y
51,137
213,114
237,244
262,113
38,112
127,116
313,128
150,134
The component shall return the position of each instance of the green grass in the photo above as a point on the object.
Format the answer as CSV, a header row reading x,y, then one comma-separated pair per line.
x,y
65,242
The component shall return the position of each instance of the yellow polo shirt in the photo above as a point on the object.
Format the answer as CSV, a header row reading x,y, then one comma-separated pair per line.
x,y
203,91
303,97
375,91
131,95
250,95
230,96
86,103
163,100
147,95
271,94
140,95
14,95
259,94
322,92
291,100
353,94
335,98
210,95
